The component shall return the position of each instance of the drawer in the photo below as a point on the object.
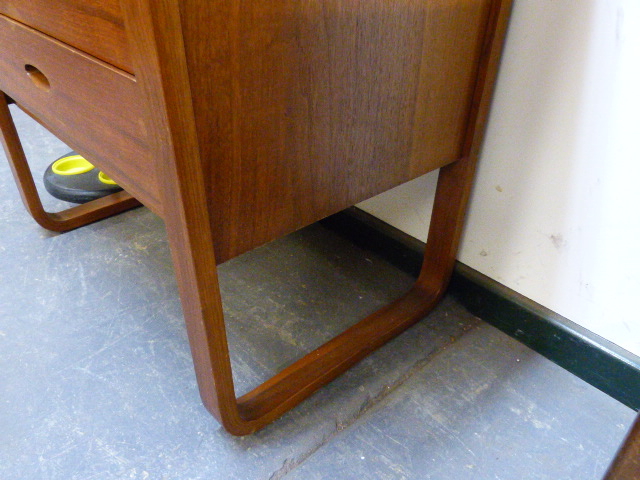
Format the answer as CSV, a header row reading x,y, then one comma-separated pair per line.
x,y
95,27
90,105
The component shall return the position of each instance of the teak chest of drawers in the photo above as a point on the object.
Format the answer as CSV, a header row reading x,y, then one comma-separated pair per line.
x,y
241,121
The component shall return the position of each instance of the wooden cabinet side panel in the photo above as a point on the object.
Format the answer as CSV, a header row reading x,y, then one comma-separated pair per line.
x,y
306,107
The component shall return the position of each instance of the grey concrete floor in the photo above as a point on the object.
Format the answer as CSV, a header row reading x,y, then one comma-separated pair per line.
x,y
97,380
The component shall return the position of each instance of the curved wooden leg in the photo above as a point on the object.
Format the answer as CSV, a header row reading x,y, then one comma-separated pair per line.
x,y
292,385
195,266
164,78
60,221
626,464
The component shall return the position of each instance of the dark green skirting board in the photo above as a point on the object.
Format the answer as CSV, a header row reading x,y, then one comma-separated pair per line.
x,y
594,359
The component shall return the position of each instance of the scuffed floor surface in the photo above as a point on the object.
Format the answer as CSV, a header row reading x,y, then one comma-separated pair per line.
x,y
97,380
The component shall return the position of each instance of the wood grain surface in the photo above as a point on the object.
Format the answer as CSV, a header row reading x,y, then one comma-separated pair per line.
x,y
253,122
254,119
92,106
305,108
95,27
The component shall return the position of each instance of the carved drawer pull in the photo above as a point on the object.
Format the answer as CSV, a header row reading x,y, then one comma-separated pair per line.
x,y
39,79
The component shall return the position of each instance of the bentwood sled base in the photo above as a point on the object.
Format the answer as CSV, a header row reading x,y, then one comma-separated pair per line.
x,y
240,121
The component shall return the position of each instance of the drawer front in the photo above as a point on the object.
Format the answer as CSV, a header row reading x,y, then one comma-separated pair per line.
x,y
93,27
93,107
